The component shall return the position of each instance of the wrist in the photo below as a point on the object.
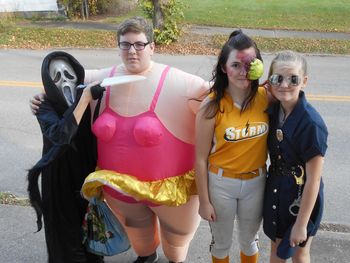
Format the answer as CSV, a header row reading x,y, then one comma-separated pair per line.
x,y
300,223
86,96
204,201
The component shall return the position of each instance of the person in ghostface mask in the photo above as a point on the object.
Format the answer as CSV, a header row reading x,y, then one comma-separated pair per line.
x,y
69,155
65,79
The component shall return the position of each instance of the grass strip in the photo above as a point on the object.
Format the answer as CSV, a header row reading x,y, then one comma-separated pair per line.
x,y
45,38
318,46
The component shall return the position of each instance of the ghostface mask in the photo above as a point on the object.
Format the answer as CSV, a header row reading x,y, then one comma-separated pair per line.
x,y
65,78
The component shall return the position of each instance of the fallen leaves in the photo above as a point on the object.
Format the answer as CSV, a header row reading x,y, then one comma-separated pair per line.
x,y
7,198
189,43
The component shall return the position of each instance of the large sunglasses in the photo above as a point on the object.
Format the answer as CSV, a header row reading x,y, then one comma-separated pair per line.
x,y
276,80
137,45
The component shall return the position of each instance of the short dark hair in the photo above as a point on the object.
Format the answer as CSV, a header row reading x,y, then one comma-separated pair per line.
x,y
136,25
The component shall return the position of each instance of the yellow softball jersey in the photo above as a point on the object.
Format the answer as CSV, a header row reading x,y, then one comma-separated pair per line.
x,y
240,139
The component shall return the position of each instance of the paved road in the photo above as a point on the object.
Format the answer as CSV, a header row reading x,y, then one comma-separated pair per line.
x,y
18,243
20,136
20,142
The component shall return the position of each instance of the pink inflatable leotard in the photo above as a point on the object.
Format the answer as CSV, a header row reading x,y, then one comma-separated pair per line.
x,y
138,156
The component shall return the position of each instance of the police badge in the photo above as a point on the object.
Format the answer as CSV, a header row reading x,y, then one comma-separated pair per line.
x,y
279,135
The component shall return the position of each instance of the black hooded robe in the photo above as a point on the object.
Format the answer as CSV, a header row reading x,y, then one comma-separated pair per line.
x,y
69,155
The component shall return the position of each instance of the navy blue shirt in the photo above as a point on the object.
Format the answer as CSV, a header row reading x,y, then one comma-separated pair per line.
x,y
304,137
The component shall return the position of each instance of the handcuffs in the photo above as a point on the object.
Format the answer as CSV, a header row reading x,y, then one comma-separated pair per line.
x,y
299,180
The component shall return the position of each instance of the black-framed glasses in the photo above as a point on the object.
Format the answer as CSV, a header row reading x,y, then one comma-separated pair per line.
x,y
276,80
137,45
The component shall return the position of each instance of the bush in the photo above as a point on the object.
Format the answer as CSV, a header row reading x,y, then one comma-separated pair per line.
x,y
173,15
116,7
98,7
6,23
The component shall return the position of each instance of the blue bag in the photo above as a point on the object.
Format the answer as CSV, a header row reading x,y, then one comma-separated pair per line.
x,y
103,233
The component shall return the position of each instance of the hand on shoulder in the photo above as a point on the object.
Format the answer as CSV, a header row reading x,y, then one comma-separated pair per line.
x,y
34,103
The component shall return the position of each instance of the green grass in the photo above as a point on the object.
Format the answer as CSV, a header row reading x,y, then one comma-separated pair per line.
x,y
315,15
39,38
318,46
305,15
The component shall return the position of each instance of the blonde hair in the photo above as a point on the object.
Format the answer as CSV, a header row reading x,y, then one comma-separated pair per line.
x,y
289,56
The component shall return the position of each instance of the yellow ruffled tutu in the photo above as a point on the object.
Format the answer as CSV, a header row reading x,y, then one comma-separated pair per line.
x,y
173,191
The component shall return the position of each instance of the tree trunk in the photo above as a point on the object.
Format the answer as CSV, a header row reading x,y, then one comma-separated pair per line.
x,y
85,9
158,18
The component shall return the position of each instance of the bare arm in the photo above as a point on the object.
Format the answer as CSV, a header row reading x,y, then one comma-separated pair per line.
x,y
92,75
197,94
309,197
84,101
204,136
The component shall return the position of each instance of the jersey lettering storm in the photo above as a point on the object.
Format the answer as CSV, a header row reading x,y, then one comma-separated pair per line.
x,y
245,132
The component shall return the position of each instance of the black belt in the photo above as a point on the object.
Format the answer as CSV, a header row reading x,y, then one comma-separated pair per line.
x,y
282,168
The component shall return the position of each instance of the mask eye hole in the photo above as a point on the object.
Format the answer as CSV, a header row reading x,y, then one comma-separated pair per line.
x,y
57,77
67,75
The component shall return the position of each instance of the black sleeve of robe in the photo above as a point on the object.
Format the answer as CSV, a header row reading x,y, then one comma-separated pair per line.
x,y
68,150
69,155
59,130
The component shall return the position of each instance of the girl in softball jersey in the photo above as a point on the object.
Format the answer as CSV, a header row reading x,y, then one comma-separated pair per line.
x,y
231,150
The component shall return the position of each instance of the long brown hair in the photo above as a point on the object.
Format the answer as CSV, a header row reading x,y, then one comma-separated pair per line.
x,y
238,41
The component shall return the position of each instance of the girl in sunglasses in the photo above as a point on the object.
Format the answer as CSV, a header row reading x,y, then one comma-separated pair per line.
x,y
297,143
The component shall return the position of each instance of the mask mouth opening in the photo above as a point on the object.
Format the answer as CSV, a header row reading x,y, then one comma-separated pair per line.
x,y
68,94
